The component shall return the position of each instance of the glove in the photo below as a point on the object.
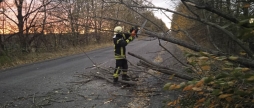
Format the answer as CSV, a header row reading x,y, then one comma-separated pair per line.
x,y
133,33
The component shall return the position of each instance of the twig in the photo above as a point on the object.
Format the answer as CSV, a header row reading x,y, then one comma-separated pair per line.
x,y
171,54
82,96
81,81
123,95
33,98
146,71
154,76
149,95
126,82
167,71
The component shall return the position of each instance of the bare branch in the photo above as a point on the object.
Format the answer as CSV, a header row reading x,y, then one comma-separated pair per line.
x,y
228,33
185,4
10,19
208,8
172,54
28,13
240,60
162,69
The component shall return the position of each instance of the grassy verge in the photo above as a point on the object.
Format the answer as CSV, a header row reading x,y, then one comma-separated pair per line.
x,y
9,62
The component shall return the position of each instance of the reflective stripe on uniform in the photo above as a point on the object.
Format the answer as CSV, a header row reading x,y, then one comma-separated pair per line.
x,y
118,41
124,36
115,75
130,38
122,53
128,41
119,57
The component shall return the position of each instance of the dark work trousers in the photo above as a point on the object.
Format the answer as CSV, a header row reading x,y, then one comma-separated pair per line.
x,y
121,65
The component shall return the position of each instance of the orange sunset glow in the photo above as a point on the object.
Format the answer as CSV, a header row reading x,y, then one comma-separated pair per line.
x,y
9,21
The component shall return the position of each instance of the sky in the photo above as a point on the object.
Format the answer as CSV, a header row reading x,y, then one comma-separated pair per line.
x,y
170,4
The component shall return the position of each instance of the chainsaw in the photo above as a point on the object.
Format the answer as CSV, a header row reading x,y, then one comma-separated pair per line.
x,y
138,30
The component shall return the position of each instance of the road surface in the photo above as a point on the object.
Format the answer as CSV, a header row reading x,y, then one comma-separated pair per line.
x,y
49,84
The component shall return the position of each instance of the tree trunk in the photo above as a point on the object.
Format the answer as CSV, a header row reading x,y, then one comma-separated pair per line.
x,y
1,45
19,5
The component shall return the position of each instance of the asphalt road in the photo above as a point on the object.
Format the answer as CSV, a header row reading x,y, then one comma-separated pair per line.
x,y
49,83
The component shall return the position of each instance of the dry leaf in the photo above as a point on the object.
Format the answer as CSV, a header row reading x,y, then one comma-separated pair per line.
x,y
230,83
203,58
201,100
107,102
242,53
236,106
200,83
233,58
172,87
251,78
196,89
166,86
206,68
213,57
170,103
217,58
224,95
175,102
229,69
199,73
245,69
212,105
171,77
227,106
189,87
229,99
197,106
200,93
206,53
177,86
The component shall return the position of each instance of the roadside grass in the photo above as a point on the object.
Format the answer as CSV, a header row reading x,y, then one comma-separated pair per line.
x,y
9,62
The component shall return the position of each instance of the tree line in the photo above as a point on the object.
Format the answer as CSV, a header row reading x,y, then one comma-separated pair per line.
x,y
220,36
231,15
46,25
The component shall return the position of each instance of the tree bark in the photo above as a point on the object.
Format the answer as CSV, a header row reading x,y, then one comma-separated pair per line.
x,y
162,69
19,5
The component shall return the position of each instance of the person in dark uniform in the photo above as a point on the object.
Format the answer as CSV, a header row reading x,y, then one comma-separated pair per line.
x,y
121,40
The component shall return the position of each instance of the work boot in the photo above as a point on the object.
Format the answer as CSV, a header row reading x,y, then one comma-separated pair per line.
x,y
125,77
116,83
115,80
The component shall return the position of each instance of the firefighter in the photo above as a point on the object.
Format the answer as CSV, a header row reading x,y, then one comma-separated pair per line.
x,y
121,40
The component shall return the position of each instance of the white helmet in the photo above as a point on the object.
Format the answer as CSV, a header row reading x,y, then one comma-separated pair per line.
x,y
118,29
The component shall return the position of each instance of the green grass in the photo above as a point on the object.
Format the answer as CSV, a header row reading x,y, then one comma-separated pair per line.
x,y
4,60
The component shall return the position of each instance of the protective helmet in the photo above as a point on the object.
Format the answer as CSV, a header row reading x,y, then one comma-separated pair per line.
x,y
118,29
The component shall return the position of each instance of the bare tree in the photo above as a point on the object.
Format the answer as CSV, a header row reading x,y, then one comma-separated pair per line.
x,y
3,27
198,48
26,14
